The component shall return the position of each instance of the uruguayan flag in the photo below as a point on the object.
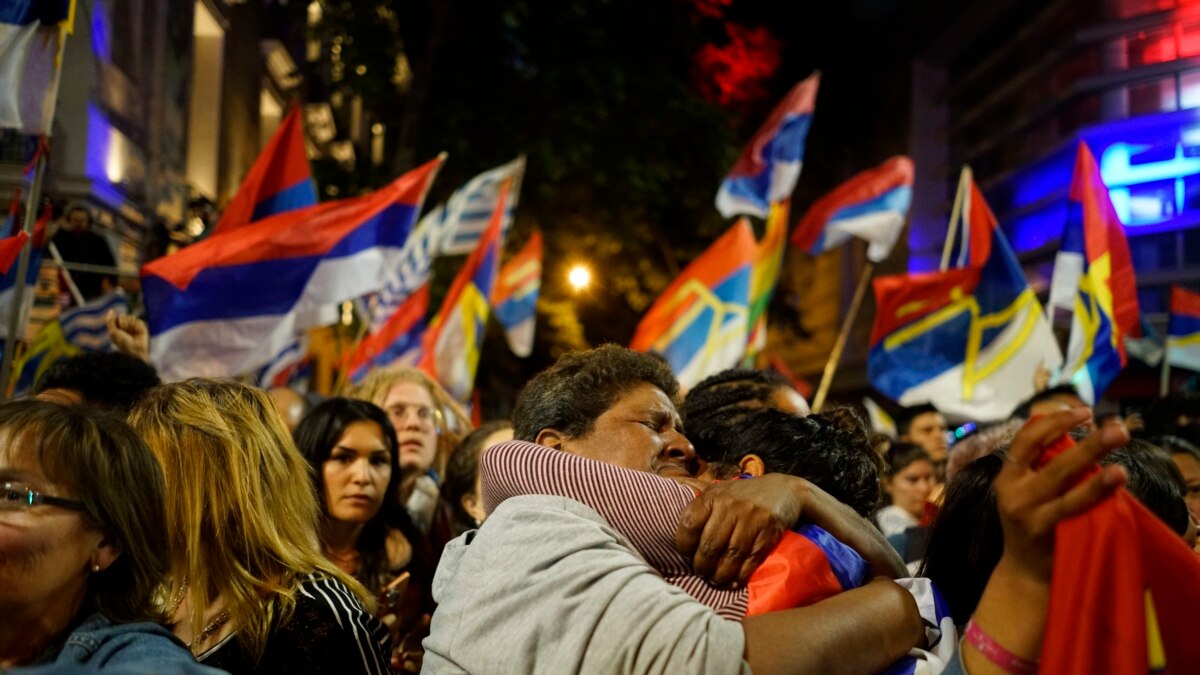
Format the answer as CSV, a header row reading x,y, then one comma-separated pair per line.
x,y
84,326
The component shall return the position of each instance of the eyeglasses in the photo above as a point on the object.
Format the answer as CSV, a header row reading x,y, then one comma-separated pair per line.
x,y
426,415
20,497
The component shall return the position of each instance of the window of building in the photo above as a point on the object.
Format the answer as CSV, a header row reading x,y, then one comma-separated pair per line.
x,y
1153,46
1153,97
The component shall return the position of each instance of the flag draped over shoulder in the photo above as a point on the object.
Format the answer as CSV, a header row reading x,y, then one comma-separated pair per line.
x,y
1093,277
451,346
10,251
699,323
1139,600
1183,331
279,181
871,206
967,339
396,342
516,295
228,305
32,35
769,166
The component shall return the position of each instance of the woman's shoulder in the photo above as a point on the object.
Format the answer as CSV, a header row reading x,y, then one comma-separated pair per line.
x,y
98,643
330,627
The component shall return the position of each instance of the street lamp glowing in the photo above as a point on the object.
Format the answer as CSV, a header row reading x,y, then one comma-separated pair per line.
x,y
579,277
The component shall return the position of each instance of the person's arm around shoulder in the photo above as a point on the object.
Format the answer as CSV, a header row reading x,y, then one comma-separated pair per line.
x,y
731,527
859,631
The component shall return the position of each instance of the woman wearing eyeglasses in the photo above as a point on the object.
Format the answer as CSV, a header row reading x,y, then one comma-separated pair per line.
x,y
248,588
81,511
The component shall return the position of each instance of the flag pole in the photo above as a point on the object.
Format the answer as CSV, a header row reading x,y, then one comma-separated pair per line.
x,y
836,355
18,298
955,216
58,260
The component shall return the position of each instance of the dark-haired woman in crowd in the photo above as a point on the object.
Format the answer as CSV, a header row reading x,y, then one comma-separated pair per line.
x,y
461,487
351,447
909,480
81,507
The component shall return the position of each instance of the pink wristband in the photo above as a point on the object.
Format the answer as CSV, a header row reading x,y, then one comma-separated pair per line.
x,y
996,653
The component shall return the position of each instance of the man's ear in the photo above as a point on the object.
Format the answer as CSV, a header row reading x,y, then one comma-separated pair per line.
x,y
753,465
551,438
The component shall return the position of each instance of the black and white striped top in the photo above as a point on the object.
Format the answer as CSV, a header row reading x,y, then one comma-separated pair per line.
x,y
329,632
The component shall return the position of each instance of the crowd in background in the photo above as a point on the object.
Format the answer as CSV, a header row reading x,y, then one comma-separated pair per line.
x,y
615,524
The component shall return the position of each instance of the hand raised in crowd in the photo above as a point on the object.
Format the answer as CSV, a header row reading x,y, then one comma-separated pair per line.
x,y
1031,503
128,334
732,526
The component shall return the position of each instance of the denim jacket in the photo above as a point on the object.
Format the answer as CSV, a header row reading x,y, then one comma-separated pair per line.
x,y
98,645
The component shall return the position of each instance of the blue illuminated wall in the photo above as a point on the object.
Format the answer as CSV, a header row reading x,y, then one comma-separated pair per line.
x,y
1150,164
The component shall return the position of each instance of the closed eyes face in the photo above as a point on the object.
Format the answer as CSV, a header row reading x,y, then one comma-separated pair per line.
x,y
357,473
640,431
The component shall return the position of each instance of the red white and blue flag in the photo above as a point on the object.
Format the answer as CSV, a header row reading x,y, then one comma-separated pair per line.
x,y
10,252
1093,277
872,206
453,343
397,341
770,165
516,295
279,181
700,323
1183,329
228,305
967,339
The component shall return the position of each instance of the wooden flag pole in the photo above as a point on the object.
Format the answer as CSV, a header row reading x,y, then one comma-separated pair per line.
x,y
955,216
18,297
836,355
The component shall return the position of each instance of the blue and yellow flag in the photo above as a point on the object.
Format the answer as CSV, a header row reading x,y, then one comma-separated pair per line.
x,y
699,324
1093,276
967,339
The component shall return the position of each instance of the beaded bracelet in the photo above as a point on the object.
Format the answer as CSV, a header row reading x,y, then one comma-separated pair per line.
x,y
996,653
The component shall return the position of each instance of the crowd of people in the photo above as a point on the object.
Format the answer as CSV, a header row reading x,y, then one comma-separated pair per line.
x,y
614,524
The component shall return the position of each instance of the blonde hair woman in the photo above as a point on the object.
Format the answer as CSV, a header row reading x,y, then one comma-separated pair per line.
x,y
248,588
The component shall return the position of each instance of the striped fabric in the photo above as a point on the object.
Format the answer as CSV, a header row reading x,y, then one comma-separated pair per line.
x,y
639,505
371,636
85,327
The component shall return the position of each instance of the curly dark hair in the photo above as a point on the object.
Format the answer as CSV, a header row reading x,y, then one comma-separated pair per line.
x,y
109,379
831,449
725,398
580,386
